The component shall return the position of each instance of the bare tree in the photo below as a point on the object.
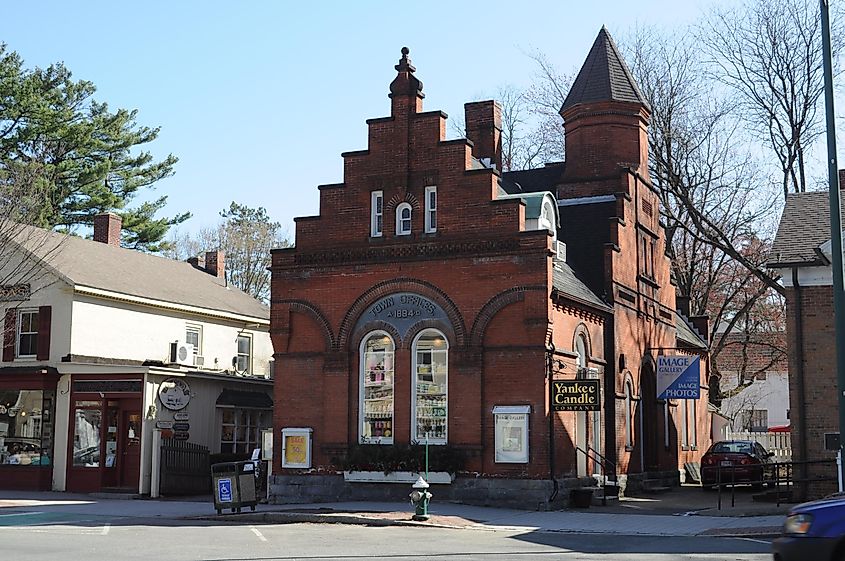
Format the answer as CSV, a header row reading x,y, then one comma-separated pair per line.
x,y
714,212
246,235
768,54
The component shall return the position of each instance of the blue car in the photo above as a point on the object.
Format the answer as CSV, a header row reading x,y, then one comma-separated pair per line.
x,y
813,531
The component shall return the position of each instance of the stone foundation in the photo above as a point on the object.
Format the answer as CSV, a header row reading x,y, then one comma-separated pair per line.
x,y
526,494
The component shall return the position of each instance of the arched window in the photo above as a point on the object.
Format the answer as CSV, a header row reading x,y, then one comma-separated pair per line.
x,y
629,415
430,411
548,219
376,395
403,219
581,348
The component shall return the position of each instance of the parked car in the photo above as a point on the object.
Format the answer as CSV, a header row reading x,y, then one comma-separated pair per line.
x,y
814,530
734,461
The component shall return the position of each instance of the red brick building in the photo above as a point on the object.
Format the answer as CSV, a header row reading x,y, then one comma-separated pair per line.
x,y
436,296
802,254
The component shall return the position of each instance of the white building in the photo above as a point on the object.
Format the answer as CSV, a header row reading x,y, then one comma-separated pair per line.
x,y
103,344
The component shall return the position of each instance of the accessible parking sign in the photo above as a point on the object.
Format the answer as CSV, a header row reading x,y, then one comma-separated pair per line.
x,y
678,377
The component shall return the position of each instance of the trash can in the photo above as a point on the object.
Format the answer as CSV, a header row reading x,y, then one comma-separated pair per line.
x,y
234,486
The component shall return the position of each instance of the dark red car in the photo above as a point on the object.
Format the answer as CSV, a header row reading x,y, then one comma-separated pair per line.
x,y
734,461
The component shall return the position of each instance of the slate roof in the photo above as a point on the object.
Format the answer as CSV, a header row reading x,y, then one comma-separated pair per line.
x,y
604,76
565,282
545,178
101,266
687,334
804,227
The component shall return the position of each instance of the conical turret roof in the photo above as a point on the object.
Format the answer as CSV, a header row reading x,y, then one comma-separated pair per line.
x,y
604,77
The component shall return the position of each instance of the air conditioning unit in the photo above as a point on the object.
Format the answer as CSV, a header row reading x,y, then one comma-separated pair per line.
x,y
199,361
181,353
560,251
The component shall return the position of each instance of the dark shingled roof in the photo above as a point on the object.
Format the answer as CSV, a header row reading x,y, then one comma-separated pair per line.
x,y
532,180
570,286
686,333
604,76
804,226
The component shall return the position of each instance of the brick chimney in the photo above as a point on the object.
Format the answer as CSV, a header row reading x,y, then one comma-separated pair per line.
x,y
484,129
215,263
682,304
107,228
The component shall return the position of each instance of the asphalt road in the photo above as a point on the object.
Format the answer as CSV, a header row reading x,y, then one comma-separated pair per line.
x,y
47,536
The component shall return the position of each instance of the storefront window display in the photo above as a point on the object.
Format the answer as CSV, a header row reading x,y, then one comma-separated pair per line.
x,y
240,430
88,418
377,388
26,427
431,369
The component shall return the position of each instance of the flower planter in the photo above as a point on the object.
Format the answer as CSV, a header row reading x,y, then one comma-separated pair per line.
x,y
434,477
580,498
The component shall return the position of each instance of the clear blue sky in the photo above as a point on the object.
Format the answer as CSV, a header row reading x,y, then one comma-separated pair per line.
x,y
258,99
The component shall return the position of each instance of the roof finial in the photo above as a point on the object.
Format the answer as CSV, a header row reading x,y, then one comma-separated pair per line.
x,y
405,82
405,62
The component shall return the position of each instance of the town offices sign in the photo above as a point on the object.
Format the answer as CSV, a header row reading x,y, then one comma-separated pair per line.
x,y
403,310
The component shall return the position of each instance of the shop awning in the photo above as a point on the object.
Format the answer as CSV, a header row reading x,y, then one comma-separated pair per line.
x,y
243,399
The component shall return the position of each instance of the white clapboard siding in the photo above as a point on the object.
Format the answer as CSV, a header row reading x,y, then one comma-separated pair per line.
x,y
778,443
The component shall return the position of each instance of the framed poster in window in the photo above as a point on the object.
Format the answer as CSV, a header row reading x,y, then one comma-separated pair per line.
x,y
296,447
511,433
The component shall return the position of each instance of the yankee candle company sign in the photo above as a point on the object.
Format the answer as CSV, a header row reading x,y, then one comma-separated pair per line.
x,y
576,395
678,377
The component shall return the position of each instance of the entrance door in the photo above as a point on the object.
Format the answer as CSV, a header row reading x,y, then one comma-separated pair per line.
x,y
649,421
581,416
129,447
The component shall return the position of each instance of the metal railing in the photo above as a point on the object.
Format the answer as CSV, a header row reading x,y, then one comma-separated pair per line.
x,y
598,459
779,476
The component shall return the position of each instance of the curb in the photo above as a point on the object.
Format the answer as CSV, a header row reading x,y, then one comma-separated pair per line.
x,y
379,520
330,518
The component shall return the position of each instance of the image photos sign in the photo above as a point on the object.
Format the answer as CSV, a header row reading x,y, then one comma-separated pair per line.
x,y
678,377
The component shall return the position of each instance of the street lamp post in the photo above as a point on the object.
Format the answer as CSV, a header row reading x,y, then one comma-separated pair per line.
x,y
835,230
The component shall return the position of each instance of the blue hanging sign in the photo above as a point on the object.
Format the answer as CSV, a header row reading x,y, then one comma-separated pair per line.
x,y
678,377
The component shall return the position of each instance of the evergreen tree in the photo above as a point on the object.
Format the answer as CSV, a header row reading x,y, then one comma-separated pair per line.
x,y
74,156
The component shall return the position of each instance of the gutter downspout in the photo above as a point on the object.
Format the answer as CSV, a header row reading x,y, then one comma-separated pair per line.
x,y
799,359
550,352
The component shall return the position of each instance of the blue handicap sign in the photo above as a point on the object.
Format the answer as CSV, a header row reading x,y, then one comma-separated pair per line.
x,y
224,490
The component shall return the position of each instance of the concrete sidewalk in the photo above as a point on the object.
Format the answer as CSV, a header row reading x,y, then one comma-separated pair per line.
x,y
444,515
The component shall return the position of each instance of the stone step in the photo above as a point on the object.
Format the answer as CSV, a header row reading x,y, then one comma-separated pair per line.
x,y
655,486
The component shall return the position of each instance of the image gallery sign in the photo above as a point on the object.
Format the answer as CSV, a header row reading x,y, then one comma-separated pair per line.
x,y
678,377
576,395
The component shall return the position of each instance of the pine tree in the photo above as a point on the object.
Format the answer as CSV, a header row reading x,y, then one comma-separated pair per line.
x,y
74,156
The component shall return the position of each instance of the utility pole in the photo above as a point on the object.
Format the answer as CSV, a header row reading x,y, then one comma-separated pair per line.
x,y
835,230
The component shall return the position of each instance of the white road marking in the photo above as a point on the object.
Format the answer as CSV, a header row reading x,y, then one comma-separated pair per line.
x,y
20,514
766,542
105,531
257,533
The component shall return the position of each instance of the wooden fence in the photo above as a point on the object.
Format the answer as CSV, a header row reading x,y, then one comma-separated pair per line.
x,y
778,443
185,468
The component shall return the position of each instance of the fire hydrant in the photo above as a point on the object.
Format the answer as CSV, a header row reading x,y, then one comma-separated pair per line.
x,y
420,498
